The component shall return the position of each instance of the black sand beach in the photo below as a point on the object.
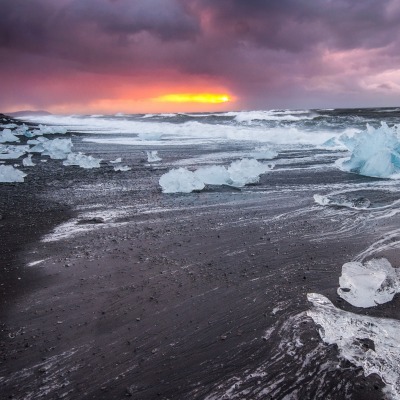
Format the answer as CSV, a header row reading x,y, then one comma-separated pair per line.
x,y
194,296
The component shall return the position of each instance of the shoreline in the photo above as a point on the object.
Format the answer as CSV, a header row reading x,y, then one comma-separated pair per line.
x,y
24,219
170,302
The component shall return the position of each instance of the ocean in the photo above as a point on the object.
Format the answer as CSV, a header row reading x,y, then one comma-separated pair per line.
x,y
228,257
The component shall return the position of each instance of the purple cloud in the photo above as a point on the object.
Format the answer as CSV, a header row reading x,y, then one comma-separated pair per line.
x,y
284,53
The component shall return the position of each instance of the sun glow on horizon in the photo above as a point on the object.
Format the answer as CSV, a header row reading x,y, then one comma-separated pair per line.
x,y
209,98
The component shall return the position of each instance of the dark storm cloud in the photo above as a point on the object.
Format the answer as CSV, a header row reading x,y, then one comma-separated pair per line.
x,y
294,25
255,48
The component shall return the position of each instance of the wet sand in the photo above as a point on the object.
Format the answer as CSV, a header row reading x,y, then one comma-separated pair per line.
x,y
197,296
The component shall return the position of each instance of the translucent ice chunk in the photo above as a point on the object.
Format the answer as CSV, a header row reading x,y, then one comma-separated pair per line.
x,y
375,152
27,161
50,130
152,156
6,136
116,161
246,171
370,343
122,168
369,284
180,180
57,149
12,152
238,174
10,174
343,200
82,161
263,153
213,175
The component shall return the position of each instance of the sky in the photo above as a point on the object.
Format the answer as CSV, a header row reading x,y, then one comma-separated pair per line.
x,y
108,56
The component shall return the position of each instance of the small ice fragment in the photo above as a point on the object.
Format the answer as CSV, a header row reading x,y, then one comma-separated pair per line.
x,y
116,161
152,156
9,174
343,200
12,151
82,161
27,161
33,263
150,136
122,168
180,180
263,153
7,136
369,284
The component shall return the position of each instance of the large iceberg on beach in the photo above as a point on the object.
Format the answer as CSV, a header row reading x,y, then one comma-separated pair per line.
x,y
238,174
374,152
369,284
10,174
367,342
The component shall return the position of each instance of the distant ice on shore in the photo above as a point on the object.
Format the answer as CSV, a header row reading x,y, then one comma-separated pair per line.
x,y
57,149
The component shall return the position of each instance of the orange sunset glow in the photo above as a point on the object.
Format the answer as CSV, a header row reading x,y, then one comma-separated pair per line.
x,y
209,98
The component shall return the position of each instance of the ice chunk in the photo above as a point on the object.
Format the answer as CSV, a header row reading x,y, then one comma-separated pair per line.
x,y
370,343
238,174
180,180
50,130
22,130
8,136
152,156
375,152
27,161
263,153
246,171
10,174
150,136
9,126
12,152
369,284
57,149
82,161
213,175
343,200
122,168
116,161
38,144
